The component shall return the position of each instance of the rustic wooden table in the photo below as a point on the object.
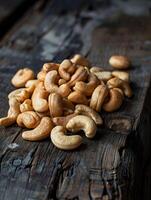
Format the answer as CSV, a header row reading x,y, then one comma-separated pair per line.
x,y
116,164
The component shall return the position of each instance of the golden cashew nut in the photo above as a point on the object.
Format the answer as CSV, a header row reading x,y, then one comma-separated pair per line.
x,y
31,85
121,75
86,110
93,70
78,97
118,83
61,81
20,94
114,102
55,105
26,106
62,141
64,90
98,97
104,75
39,98
66,69
62,121
80,60
50,66
28,119
51,81
82,122
119,62
21,77
41,75
42,131
87,88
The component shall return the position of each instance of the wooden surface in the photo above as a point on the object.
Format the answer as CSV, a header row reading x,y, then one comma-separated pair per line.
x,y
111,166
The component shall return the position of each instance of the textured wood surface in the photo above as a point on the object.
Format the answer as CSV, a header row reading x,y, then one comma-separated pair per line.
x,y
112,165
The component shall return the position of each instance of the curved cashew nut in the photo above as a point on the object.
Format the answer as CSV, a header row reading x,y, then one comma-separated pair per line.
x,y
39,98
87,88
116,82
85,110
61,81
93,70
114,102
13,112
41,75
22,76
66,69
80,60
28,119
50,66
82,122
26,106
31,85
98,97
119,62
121,75
62,141
55,105
20,94
51,80
62,121
64,90
42,131
104,75
77,97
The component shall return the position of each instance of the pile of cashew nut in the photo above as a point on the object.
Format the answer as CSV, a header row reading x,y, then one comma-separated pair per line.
x,y
66,98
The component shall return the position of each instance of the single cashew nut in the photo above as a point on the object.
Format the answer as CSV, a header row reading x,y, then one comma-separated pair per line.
x,y
64,90
85,110
41,75
80,60
20,94
118,83
51,81
121,75
55,105
21,77
78,97
28,119
31,85
98,97
61,81
50,66
93,70
39,98
26,106
104,75
82,122
114,102
62,121
119,62
42,131
62,141
87,88
66,69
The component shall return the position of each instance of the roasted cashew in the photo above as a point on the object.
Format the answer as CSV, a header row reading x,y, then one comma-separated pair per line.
x,y
61,81
55,105
66,69
21,77
85,110
50,66
42,131
62,121
78,97
104,75
62,141
98,97
118,83
28,119
121,75
26,106
13,112
94,70
82,122
114,102
80,60
119,62
51,80
31,84
64,90
87,88
20,94
80,75
41,75
39,98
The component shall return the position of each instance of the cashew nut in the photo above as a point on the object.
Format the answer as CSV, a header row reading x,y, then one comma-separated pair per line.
x,y
55,105
82,122
20,94
28,119
31,84
64,90
41,75
50,66
61,81
118,83
42,131
121,75
95,69
68,107
62,141
85,110
119,62
104,75
87,88
51,80
62,121
80,60
13,112
114,102
98,97
78,97
26,106
66,69
39,98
